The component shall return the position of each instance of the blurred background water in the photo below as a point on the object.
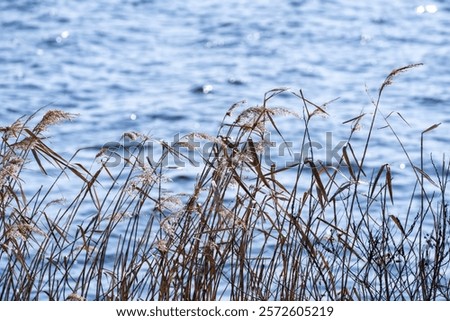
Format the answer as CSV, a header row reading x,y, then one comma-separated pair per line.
x,y
163,67
169,67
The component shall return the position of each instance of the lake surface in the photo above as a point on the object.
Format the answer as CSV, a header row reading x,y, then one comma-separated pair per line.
x,y
172,67
166,68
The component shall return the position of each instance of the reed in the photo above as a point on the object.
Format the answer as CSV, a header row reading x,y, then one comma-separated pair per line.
x,y
251,227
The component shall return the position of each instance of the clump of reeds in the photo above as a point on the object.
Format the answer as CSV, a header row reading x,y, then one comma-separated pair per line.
x,y
248,229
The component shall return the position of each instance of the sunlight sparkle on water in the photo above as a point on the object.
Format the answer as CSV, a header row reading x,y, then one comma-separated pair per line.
x,y
62,36
429,8
65,34
207,89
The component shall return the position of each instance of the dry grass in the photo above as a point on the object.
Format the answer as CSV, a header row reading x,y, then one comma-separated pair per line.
x,y
247,230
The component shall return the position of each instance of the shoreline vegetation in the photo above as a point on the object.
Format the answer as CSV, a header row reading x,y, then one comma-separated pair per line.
x,y
239,234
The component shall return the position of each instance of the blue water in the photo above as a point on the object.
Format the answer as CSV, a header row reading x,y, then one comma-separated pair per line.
x,y
169,67
107,60
164,68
